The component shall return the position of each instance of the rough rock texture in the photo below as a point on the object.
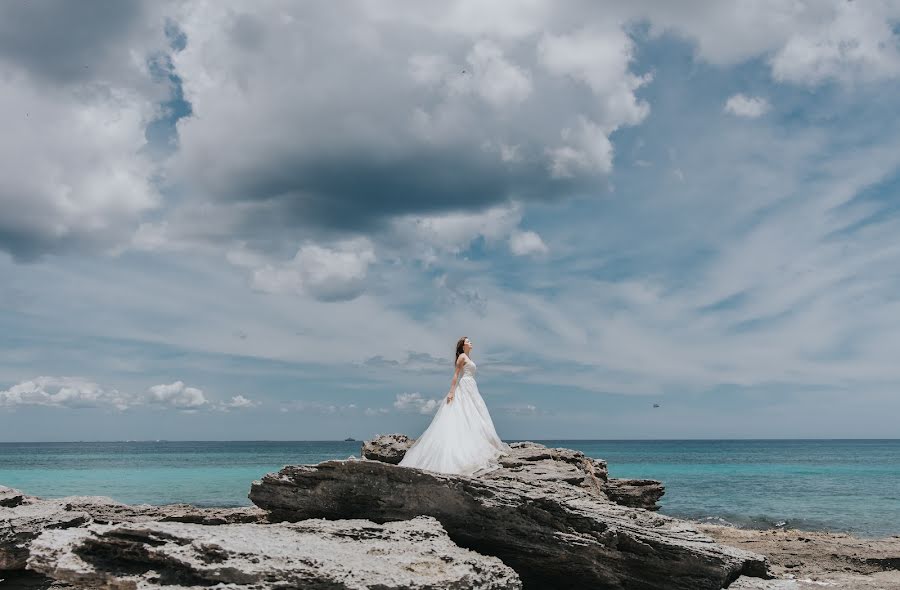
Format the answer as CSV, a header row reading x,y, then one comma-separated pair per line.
x,y
10,497
20,524
28,580
884,581
637,493
387,448
23,517
804,559
528,461
107,511
322,554
536,464
554,534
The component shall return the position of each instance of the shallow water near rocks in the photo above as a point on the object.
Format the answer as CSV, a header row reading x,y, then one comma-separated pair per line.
x,y
834,485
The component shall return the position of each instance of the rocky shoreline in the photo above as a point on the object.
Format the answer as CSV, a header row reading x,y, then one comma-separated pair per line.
x,y
546,518
802,560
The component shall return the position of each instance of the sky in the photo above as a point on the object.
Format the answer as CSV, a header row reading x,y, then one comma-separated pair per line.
x,y
272,220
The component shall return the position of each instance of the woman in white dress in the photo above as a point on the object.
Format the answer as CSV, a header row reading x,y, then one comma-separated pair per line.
x,y
461,438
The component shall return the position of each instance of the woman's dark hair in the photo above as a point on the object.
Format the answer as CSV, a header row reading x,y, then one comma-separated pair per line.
x,y
459,348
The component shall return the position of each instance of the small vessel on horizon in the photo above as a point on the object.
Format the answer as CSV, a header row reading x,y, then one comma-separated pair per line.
x,y
349,439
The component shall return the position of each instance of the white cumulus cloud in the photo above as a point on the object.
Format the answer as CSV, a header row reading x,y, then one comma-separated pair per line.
x,y
427,236
328,273
525,243
414,402
394,122
76,174
176,395
747,106
586,149
498,81
600,58
238,402
74,169
806,42
858,43
63,392
77,392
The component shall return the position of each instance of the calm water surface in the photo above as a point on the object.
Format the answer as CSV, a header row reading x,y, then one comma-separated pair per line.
x,y
846,485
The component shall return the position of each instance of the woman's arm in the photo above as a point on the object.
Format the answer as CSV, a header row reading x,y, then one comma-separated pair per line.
x,y
460,361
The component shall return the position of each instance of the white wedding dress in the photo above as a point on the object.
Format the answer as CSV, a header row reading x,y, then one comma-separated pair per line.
x,y
461,438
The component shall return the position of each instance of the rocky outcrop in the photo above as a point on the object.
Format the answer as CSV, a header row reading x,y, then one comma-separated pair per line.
x,y
420,553
535,464
637,493
806,559
545,521
387,448
104,510
29,580
10,498
552,515
842,581
350,554
23,518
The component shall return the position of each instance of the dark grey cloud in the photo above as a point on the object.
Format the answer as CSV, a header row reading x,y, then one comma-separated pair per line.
x,y
70,41
320,119
76,95
308,121
358,192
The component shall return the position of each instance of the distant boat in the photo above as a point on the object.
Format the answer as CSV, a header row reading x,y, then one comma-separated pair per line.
x,y
349,439
655,405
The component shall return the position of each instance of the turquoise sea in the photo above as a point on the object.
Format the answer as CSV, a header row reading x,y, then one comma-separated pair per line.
x,y
836,485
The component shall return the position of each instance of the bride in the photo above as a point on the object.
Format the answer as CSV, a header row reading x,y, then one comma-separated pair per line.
x,y
461,438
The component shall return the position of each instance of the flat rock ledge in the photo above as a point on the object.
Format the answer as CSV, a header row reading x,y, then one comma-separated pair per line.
x,y
23,518
347,554
555,534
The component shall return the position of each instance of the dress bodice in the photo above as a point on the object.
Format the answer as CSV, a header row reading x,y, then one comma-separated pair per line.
x,y
469,369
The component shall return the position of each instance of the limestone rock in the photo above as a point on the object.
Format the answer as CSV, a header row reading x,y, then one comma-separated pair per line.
x,y
524,453
842,581
21,524
106,511
350,554
28,580
387,448
23,518
10,497
554,534
536,464
809,559
637,493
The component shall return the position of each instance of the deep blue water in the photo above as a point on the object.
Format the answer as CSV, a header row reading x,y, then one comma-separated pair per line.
x,y
840,485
